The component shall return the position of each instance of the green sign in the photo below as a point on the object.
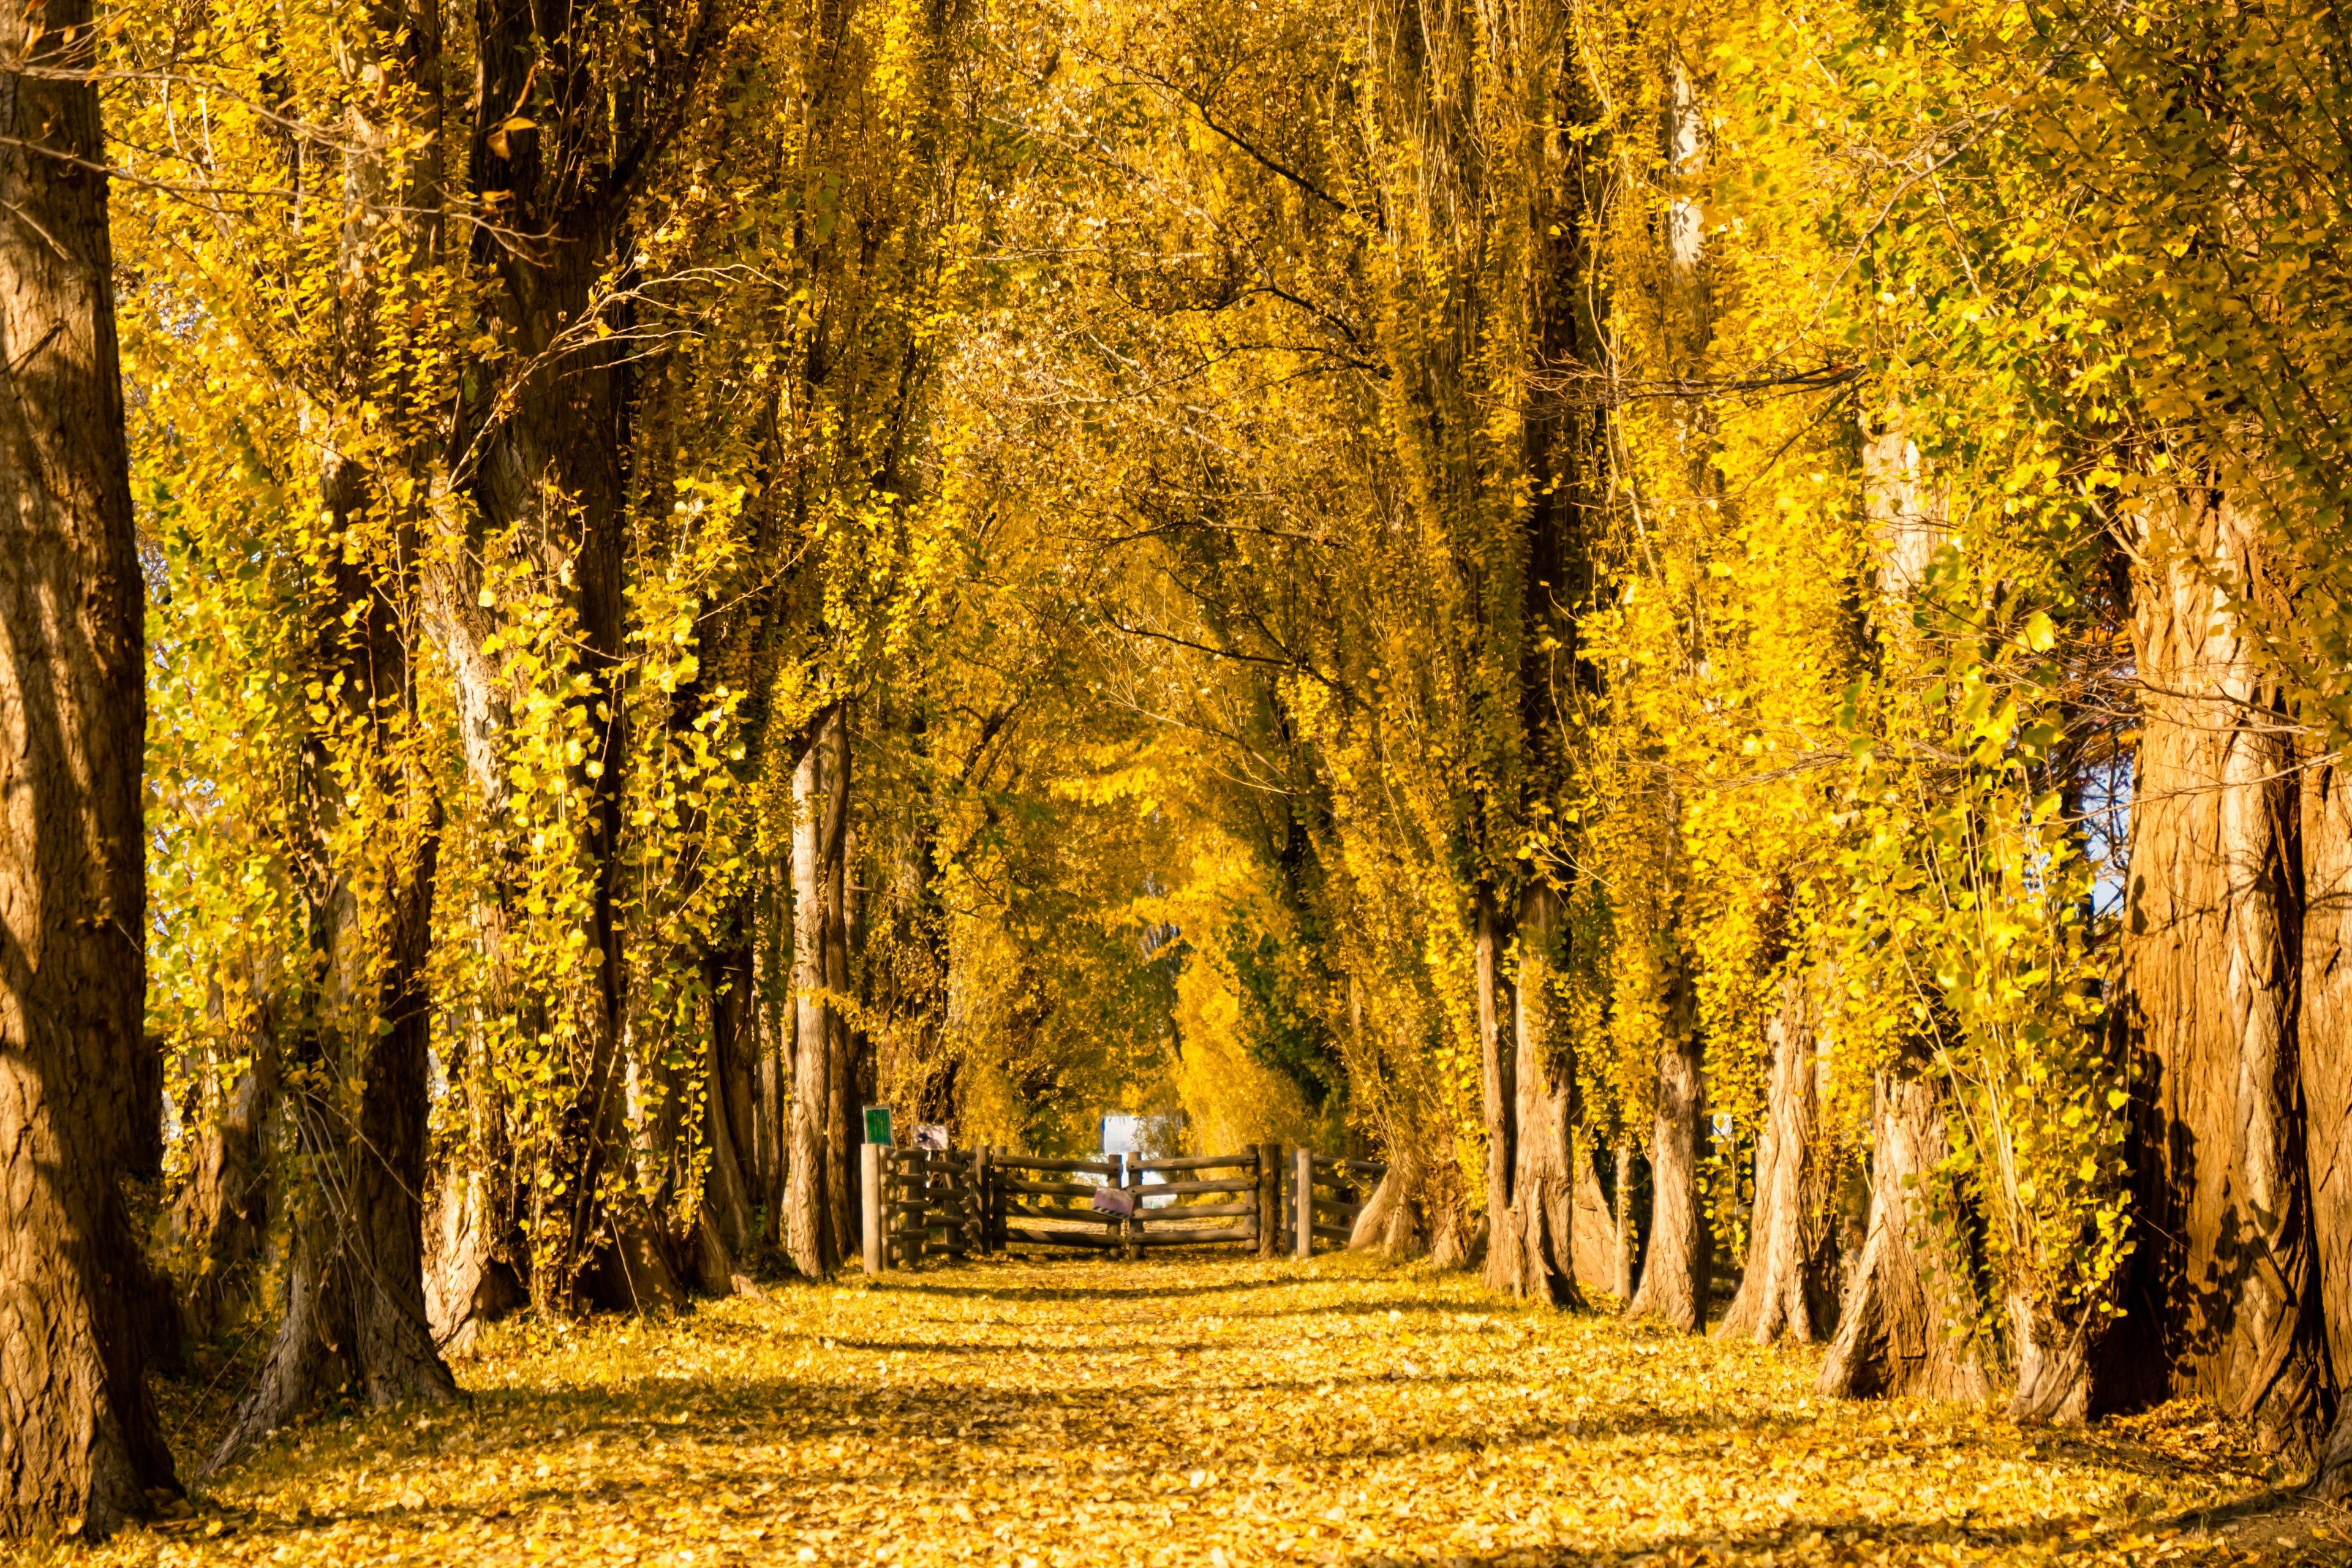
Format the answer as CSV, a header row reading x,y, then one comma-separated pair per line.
x,y
877,1124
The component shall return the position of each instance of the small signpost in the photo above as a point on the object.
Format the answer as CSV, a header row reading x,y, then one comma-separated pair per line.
x,y
874,1202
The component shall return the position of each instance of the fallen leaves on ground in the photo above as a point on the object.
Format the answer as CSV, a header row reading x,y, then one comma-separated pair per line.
x,y
1037,1414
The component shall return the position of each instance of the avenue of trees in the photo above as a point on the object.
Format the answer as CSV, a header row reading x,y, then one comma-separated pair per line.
x,y
1724,630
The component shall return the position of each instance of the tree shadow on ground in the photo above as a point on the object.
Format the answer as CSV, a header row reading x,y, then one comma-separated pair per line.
x,y
2287,1541
1142,1290
715,1434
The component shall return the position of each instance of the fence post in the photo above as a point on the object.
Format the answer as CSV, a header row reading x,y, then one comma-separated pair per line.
x,y
869,1171
1302,1241
980,1228
954,1183
1269,1199
1130,1234
991,1185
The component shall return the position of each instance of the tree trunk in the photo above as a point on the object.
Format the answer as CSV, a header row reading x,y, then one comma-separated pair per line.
x,y
2227,1281
470,1277
1678,1269
1392,1221
544,448
815,1186
851,1070
1788,1289
1897,1327
355,1314
726,1231
771,1120
221,1217
80,1087
2053,1355
2327,1068
1495,1060
1530,1248
1595,1247
1629,1245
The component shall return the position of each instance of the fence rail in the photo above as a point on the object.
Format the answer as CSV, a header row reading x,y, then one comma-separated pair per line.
x,y
956,1203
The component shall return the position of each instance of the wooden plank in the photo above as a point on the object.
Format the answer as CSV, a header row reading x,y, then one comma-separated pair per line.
x,y
1370,1167
1241,1232
1081,1217
1223,1185
1053,1189
1346,1209
906,1206
991,1194
1302,1204
1058,1237
1019,1162
1269,1198
1194,1211
980,1186
950,1207
1197,1161
1334,1232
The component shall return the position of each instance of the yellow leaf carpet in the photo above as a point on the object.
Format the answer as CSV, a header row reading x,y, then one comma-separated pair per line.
x,y
1203,1412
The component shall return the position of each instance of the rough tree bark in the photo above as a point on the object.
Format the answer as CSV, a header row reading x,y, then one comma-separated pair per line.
x,y
1788,1289
1392,1221
815,1186
1897,1323
1497,1061
80,1088
725,1232
851,1070
1629,1244
470,1277
2325,1037
1595,1247
772,1094
1678,1269
1530,1247
2227,1282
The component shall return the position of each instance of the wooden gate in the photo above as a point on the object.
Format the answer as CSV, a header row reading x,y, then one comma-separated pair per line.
x,y
923,1203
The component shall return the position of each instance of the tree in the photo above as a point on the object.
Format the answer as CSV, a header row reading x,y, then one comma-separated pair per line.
x,y
1905,1327
818,1194
1788,1287
80,1088
2228,1283
355,1315
2325,1061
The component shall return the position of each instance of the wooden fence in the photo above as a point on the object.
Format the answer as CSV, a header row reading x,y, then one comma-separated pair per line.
x,y
926,1203
1323,1197
923,1203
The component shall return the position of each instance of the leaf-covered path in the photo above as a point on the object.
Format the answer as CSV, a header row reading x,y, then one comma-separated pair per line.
x,y
1219,1413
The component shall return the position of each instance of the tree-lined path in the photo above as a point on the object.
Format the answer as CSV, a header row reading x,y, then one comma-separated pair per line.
x,y
1714,635
1198,1413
